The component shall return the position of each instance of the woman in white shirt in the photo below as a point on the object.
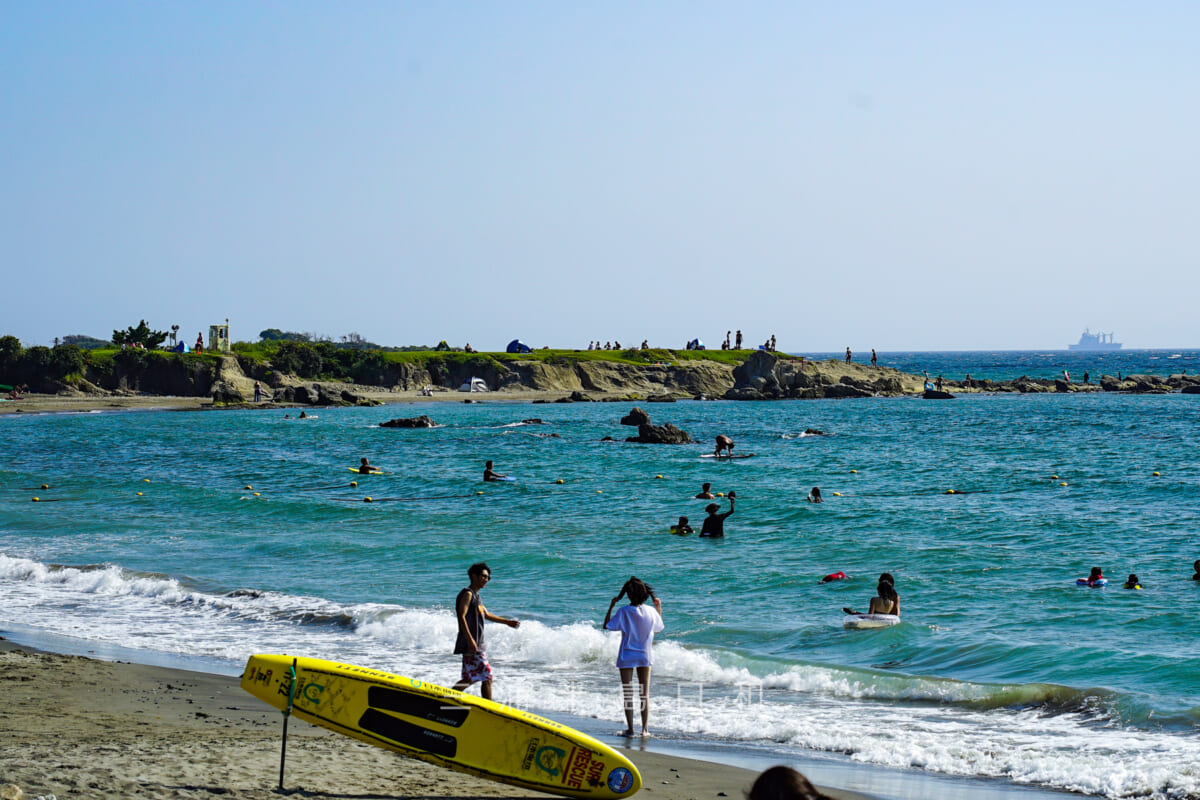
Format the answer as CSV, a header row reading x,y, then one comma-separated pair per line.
x,y
637,625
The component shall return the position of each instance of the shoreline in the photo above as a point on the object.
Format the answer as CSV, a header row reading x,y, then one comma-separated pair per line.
x,y
164,731
76,726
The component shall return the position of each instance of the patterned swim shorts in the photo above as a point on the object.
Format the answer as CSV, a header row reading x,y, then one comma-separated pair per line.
x,y
476,667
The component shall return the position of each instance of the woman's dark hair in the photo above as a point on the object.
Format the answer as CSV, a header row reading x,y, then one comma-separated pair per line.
x,y
638,590
477,569
886,577
783,783
1096,571
887,591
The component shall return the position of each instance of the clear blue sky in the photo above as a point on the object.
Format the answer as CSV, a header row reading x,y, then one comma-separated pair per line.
x,y
912,175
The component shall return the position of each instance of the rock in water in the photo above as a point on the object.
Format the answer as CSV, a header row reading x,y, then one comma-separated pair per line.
x,y
410,422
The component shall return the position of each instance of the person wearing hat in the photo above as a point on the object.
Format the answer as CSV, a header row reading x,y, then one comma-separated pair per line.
x,y
714,523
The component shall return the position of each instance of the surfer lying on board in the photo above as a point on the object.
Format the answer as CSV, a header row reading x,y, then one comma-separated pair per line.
x,y
885,601
491,475
724,444
366,468
471,614
637,625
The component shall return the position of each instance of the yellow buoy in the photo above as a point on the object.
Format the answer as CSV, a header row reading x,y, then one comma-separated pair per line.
x,y
353,483
853,472
1157,474
1053,477
599,491
247,486
367,500
145,480
837,494
720,494
139,494
37,499
1062,484
479,493
258,494
44,486
658,477
560,480
949,491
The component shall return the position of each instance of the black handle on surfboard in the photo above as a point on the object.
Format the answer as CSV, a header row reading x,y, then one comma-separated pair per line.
x,y
287,712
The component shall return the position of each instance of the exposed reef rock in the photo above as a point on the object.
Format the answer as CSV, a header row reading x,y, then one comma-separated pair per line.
x,y
661,434
422,421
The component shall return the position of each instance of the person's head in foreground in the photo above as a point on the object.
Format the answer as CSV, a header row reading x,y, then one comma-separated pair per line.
x,y
783,783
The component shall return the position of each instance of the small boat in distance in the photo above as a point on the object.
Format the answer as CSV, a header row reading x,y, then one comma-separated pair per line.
x,y
1095,341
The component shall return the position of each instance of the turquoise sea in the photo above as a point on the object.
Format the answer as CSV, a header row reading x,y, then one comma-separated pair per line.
x,y
207,536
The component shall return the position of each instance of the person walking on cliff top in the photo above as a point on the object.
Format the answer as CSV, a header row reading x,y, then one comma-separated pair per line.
x,y
739,341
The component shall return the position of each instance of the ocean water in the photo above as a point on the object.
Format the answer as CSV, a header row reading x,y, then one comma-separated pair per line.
x,y
214,535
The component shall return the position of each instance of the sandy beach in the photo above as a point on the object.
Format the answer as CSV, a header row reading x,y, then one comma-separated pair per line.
x,y
78,727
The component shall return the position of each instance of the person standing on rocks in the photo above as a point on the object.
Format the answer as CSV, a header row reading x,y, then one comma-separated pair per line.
x,y
849,355
874,360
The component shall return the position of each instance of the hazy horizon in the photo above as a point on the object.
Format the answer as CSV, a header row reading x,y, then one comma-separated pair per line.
x,y
915,177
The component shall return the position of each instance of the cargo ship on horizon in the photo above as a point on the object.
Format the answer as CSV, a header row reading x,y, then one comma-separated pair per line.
x,y
1095,341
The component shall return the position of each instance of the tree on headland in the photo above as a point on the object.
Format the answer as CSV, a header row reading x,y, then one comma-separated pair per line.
x,y
85,342
276,335
142,334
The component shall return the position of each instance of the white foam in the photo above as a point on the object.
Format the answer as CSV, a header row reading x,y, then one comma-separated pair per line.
x,y
876,718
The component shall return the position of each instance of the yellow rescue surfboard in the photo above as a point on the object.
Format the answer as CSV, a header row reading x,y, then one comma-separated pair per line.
x,y
443,727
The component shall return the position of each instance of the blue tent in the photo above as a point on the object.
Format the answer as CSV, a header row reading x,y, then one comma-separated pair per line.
x,y
517,346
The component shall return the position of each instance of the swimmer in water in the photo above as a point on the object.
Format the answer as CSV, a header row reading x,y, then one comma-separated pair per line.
x,y
1196,567
815,495
682,527
706,492
366,468
1133,582
1095,575
714,523
491,475
885,601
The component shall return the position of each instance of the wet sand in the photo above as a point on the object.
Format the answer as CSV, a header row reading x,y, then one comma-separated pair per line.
x,y
78,727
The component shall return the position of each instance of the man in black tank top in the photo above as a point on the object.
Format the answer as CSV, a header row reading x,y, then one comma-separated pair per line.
x,y
471,615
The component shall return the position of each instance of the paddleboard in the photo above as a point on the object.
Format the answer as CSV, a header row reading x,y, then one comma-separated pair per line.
x,y
861,621
505,479
444,727
372,472
728,458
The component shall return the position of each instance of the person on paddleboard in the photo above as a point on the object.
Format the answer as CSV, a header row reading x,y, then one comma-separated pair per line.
x,y
471,615
724,445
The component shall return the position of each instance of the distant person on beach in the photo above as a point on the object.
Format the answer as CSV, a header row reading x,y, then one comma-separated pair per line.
x,y
471,614
849,355
682,527
1133,582
783,783
637,625
815,495
725,445
705,492
714,523
874,360
257,392
366,467
490,474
